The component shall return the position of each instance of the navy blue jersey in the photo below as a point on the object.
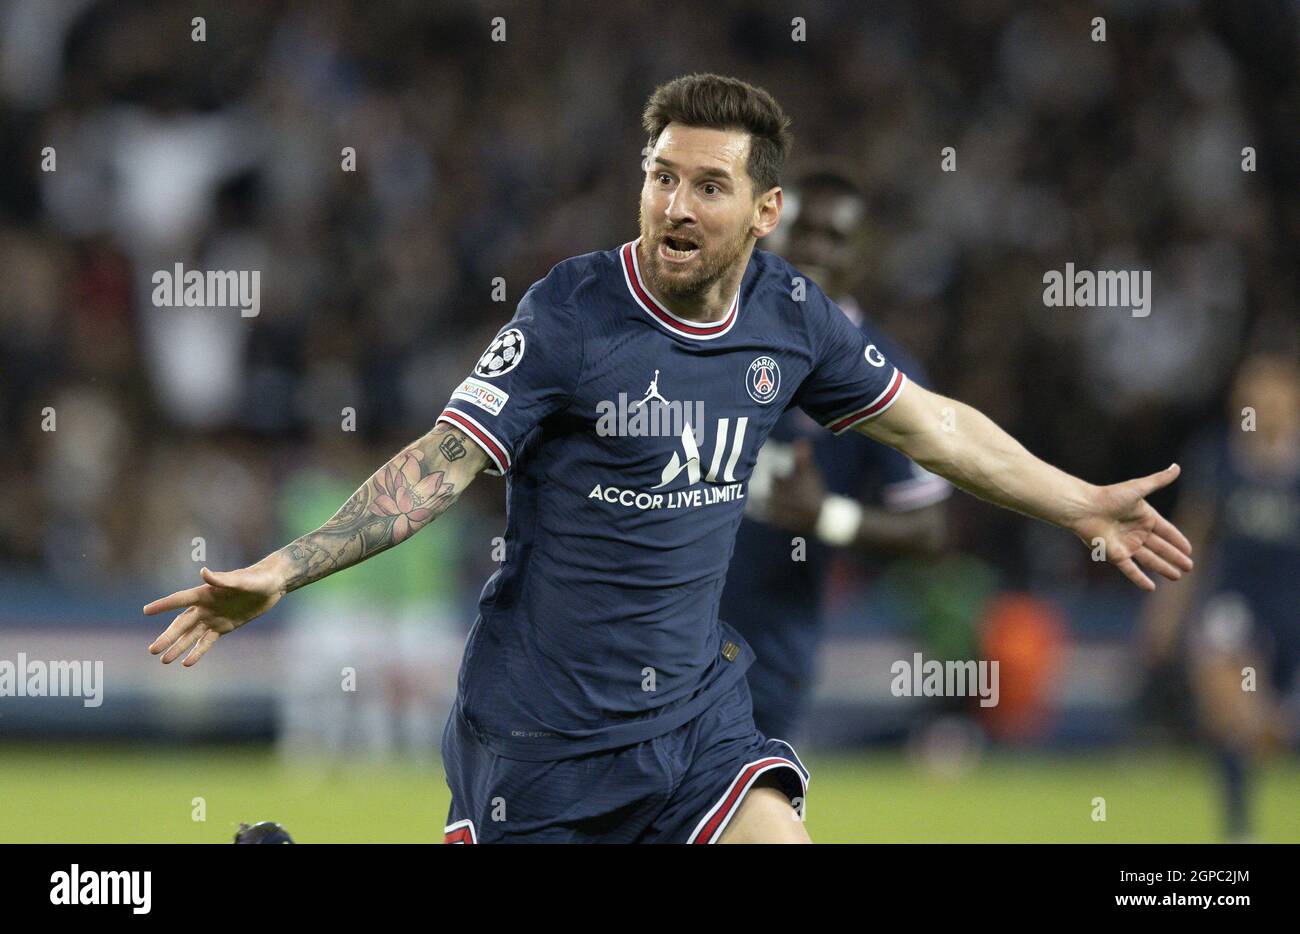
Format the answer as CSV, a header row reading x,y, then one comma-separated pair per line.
x,y
775,601
627,436
1256,544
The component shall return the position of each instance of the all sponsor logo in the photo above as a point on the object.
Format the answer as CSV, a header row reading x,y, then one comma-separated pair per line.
x,y
720,483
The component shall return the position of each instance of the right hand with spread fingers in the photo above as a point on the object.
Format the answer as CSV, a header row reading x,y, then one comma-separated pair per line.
x,y
224,602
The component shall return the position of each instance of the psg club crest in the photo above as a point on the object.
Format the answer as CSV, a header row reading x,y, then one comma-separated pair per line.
x,y
763,380
502,355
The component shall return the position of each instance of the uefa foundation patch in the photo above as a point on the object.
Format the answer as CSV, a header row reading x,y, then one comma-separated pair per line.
x,y
486,396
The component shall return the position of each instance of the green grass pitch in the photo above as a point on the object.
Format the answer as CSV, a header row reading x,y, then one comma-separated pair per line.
x,y
77,794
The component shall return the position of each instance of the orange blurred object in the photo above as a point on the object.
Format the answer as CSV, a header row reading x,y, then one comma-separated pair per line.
x,y
1027,637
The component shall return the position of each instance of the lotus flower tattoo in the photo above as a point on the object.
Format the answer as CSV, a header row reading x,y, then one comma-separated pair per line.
x,y
412,499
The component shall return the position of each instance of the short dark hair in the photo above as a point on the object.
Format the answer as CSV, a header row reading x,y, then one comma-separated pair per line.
x,y
724,103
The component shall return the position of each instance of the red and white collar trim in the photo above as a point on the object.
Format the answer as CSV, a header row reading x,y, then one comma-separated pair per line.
x,y
641,294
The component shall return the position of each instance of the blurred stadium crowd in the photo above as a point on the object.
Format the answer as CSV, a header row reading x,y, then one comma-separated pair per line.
x,y
478,159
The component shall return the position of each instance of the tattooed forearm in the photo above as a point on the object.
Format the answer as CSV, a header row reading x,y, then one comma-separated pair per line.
x,y
452,447
310,561
403,496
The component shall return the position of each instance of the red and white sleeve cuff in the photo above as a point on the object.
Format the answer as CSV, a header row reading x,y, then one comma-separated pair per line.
x,y
875,407
497,452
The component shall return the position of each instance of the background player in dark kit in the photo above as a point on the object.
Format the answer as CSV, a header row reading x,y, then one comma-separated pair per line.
x,y
848,492
1241,509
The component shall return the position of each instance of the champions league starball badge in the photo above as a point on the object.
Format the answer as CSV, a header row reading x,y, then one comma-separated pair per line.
x,y
502,355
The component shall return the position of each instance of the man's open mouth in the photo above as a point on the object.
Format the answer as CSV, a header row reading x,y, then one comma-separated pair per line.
x,y
679,247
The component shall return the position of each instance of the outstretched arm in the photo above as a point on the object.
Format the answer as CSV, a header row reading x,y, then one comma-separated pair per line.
x,y
963,445
419,484
402,497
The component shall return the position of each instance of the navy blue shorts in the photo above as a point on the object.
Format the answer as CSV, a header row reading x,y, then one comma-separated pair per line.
x,y
682,787
779,701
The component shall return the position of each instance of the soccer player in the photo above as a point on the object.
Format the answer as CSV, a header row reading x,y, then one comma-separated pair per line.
x,y
847,492
1239,632
600,697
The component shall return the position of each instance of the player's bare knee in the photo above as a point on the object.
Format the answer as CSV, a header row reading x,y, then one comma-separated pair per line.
x,y
766,816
